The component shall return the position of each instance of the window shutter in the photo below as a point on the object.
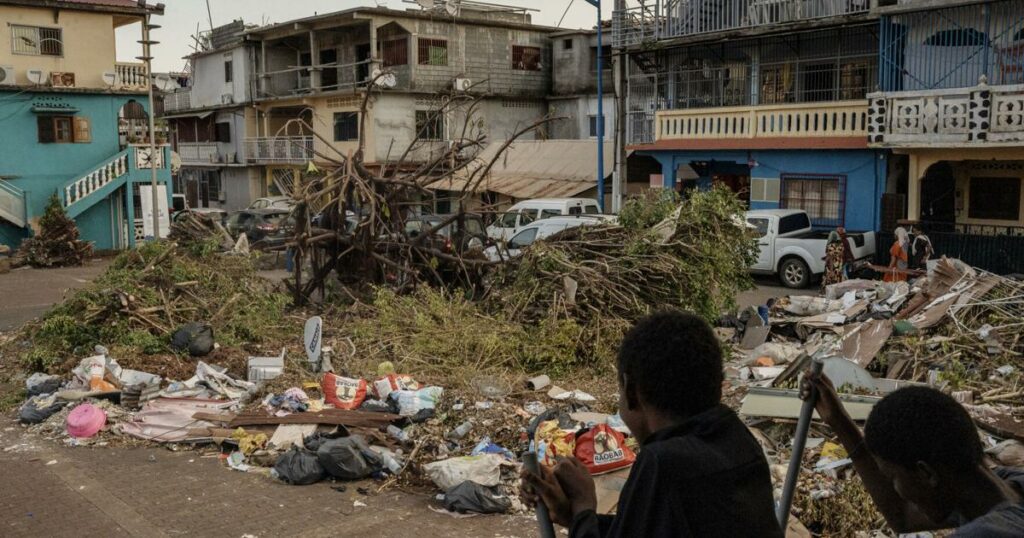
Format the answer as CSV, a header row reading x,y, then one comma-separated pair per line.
x,y
47,135
83,131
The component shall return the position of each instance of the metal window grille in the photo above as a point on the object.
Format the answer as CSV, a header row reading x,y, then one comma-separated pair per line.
x,y
953,47
822,196
432,51
429,125
346,126
35,40
395,52
526,58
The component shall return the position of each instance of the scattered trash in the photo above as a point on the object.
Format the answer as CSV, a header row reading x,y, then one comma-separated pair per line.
x,y
343,392
39,408
299,467
359,504
472,497
412,402
558,393
196,338
602,449
266,368
348,458
40,383
484,470
537,383
86,420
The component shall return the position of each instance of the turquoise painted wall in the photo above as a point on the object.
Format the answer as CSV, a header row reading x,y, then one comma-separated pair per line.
x,y
41,169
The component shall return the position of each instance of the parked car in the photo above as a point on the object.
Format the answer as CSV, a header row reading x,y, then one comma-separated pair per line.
x,y
219,215
526,212
275,202
792,249
286,230
542,229
461,235
256,224
178,203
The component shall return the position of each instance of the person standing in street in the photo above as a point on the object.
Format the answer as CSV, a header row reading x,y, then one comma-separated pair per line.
x,y
835,263
899,257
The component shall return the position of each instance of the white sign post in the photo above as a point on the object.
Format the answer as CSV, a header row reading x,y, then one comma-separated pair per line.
x,y
146,194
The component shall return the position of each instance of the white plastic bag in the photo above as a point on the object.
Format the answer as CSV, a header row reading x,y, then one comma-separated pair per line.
x,y
484,469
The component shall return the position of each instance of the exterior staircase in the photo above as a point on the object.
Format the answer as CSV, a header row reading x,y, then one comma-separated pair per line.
x,y
12,204
82,193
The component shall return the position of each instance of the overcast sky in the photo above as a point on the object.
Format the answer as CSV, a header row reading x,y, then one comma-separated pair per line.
x,y
182,17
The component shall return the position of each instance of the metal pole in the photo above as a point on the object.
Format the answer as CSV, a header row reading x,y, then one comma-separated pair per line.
x,y
547,529
600,112
799,441
146,52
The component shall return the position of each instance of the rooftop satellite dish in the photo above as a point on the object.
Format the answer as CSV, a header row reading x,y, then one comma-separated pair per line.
x,y
36,76
452,7
312,340
109,78
426,4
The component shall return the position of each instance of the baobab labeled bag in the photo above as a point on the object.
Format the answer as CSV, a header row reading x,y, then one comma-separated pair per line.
x,y
602,449
343,392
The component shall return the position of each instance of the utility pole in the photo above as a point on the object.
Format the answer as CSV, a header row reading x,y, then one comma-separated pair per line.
x,y
600,110
147,57
619,73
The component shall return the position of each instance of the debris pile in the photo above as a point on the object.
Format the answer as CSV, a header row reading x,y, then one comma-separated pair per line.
x,y
956,329
57,243
146,295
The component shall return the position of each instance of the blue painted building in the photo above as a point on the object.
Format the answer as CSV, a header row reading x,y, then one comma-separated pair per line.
x,y
72,120
772,103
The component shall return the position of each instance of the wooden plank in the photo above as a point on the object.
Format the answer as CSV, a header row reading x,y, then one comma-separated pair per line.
x,y
214,417
336,417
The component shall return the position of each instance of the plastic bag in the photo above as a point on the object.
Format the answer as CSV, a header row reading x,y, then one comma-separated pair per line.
x,y
412,402
484,470
602,449
384,386
348,458
197,338
40,383
552,441
343,392
299,467
472,497
39,408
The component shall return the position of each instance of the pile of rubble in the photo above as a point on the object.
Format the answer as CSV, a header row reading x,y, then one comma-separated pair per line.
x,y
57,242
956,329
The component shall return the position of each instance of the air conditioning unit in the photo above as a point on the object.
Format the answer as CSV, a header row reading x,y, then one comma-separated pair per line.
x,y
62,80
462,84
36,76
227,99
6,75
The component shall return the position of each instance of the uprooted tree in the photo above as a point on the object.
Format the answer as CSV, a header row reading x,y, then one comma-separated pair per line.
x,y
351,219
57,243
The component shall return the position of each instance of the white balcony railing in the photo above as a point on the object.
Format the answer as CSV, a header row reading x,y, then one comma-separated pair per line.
x,y
12,203
832,119
178,100
96,179
199,152
279,149
980,115
131,75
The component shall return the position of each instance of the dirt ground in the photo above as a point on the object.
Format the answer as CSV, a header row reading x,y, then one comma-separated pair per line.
x,y
53,490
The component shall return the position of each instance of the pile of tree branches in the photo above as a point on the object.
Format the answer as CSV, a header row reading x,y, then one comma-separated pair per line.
x,y
696,257
351,218
57,243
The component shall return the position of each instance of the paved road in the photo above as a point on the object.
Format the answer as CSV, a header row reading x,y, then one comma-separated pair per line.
x,y
27,293
154,492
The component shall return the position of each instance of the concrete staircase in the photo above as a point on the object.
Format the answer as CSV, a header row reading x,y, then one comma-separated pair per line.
x,y
85,191
12,204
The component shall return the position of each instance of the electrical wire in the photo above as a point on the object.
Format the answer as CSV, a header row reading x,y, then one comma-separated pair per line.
x,y
564,13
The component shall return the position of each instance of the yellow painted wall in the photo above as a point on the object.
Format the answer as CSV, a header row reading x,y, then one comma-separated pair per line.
x,y
89,43
921,160
323,109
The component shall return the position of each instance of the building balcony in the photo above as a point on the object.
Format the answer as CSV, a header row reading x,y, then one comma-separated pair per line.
x,y
199,153
983,116
177,101
667,20
131,75
829,124
279,150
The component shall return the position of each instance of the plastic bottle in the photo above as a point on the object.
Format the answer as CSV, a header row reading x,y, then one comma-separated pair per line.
x,y
460,431
399,434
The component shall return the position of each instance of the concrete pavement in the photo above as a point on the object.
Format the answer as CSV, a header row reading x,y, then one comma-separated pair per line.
x,y
27,293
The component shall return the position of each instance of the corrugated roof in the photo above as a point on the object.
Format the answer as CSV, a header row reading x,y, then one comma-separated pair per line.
x,y
130,6
113,3
537,169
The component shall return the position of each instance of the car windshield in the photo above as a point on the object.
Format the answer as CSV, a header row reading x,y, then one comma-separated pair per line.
x,y
794,222
548,213
275,218
508,220
523,239
761,225
474,227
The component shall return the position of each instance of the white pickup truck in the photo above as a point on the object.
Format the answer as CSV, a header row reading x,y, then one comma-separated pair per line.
x,y
790,248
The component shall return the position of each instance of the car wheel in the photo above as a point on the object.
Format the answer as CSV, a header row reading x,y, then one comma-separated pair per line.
x,y
794,273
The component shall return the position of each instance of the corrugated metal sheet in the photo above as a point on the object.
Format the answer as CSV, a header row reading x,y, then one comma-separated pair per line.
x,y
536,169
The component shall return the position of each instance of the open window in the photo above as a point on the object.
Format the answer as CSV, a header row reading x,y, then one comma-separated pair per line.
x,y
432,51
56,129
429,125
526,58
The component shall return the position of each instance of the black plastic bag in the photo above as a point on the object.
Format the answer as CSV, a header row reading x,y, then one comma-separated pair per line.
x,y
315,439
472,497
348,458
38,408
197,338
299,467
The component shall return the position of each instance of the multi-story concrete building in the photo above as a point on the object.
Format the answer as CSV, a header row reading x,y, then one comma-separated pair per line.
x,y
210,119
766,96
72,118
951,109
574,92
